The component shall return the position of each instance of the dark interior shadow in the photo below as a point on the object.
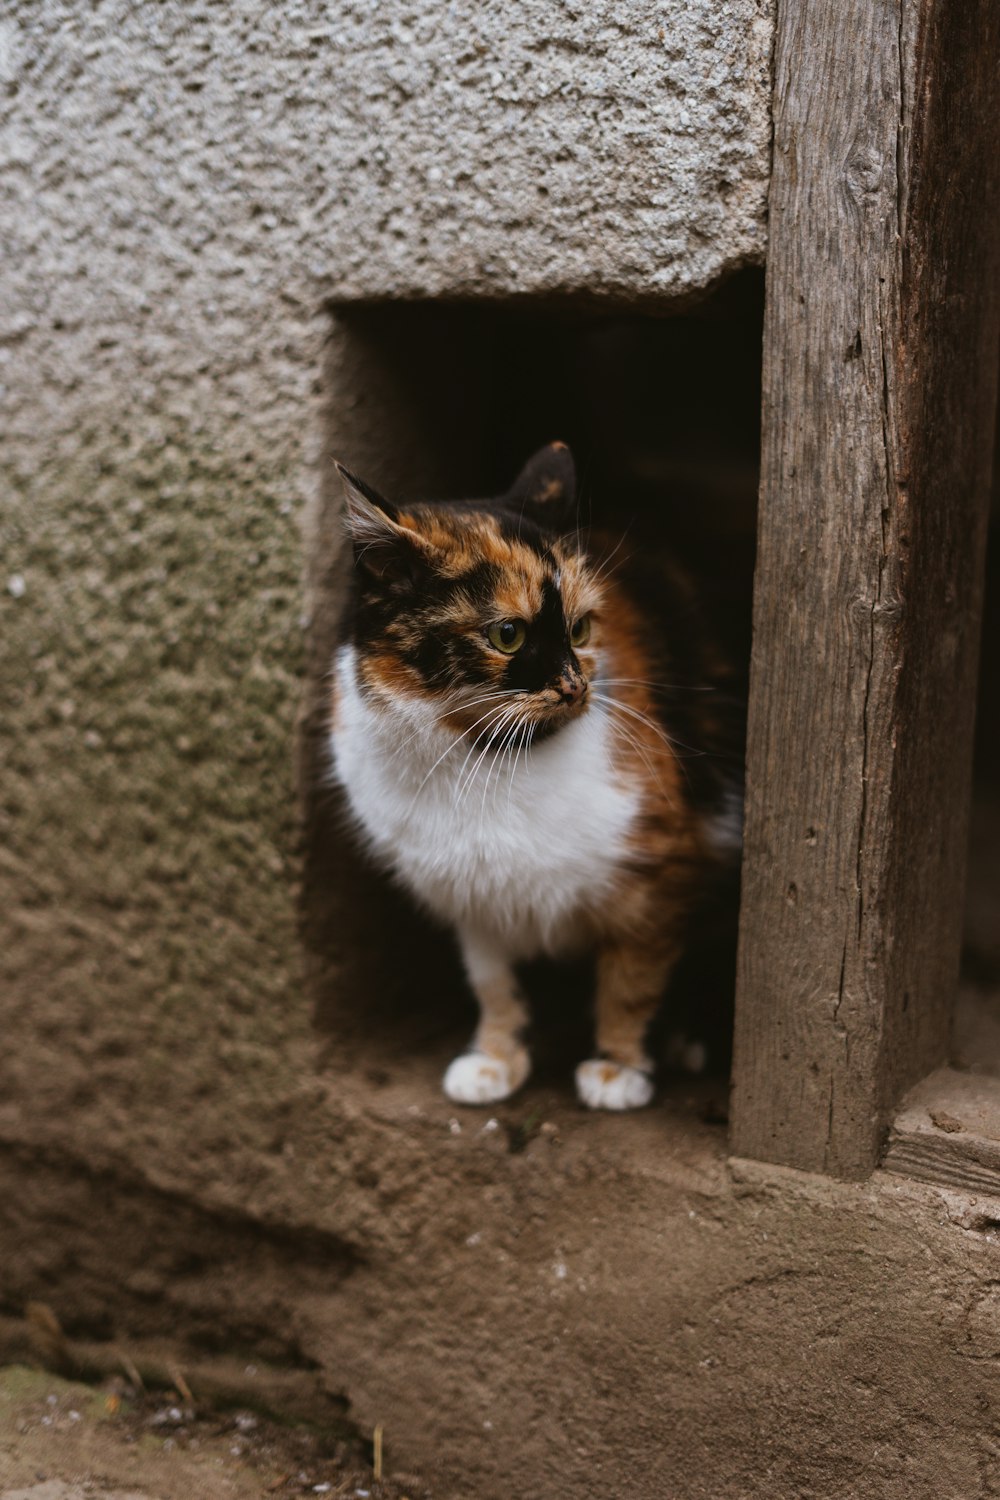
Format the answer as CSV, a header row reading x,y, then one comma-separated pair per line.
x,y
976,1038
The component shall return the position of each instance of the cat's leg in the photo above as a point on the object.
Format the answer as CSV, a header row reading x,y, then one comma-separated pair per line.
x,y
497,1062
631,978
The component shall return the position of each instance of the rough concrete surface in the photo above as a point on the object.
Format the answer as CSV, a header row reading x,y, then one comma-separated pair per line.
x,y
411,149
561,1305
599,1308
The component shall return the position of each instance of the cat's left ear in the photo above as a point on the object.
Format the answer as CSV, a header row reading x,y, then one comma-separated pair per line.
x,y
546,485
382,546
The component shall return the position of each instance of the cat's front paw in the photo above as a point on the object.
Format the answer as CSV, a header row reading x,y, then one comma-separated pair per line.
x,y
609,1085
477,1078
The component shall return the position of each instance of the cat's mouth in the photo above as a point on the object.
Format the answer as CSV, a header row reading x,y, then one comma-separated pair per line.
x,y
525,720
551,717
544,729
541,721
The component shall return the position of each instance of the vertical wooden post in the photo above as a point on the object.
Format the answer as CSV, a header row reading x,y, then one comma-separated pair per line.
x,y
880,348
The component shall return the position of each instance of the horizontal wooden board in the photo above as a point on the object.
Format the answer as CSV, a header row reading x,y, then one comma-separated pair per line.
x,y
948,1131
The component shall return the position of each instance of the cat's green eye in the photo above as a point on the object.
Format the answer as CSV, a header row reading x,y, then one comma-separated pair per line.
x,y
508,636
580,633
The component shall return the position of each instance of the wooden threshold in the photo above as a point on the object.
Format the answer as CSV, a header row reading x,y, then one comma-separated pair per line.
x,y
948,1131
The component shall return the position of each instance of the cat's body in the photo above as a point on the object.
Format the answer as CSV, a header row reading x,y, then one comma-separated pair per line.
x,y
504,852
512,750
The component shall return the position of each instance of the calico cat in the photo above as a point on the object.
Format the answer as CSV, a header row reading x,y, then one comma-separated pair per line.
x,y
524,725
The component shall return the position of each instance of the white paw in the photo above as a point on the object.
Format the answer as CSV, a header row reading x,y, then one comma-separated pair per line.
x,y
477,1078
609,1085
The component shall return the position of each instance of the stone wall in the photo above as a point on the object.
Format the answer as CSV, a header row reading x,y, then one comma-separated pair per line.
x,y
186,188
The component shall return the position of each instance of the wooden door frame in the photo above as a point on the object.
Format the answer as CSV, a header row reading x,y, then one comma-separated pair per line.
x,y
880,358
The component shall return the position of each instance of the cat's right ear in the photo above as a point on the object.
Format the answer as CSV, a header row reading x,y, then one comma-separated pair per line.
x,y
546,486
382,546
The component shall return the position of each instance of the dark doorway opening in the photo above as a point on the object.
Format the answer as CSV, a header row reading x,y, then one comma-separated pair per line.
x,y
437,400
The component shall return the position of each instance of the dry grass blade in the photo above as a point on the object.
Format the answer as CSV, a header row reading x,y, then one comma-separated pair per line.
x,y
377,1453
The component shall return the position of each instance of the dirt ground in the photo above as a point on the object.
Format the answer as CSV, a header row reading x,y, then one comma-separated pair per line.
x,y
66,1440
538,1303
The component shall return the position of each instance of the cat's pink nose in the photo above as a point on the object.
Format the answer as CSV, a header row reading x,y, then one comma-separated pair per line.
x,y
571,689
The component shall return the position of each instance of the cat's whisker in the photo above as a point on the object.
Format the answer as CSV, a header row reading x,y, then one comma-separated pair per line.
x,y
490,735
499,759
474,746
464,785
500,729
606,570
456,741
422,731
616,707
643,753
661,734
670,687
492,771
621,708
668,743
513,755
523,744
452,707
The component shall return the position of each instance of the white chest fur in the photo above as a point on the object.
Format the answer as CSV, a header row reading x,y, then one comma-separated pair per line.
x,y
519,847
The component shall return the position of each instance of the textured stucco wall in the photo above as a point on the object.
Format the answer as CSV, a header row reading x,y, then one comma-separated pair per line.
x,y
182,186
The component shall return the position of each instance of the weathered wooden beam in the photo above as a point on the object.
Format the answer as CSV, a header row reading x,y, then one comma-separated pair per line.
x,y
880,356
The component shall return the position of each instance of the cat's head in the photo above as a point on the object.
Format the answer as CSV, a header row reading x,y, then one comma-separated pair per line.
x,y
488,612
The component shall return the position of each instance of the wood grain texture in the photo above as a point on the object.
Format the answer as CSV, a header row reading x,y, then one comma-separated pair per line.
x,y
880,343
948,1131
